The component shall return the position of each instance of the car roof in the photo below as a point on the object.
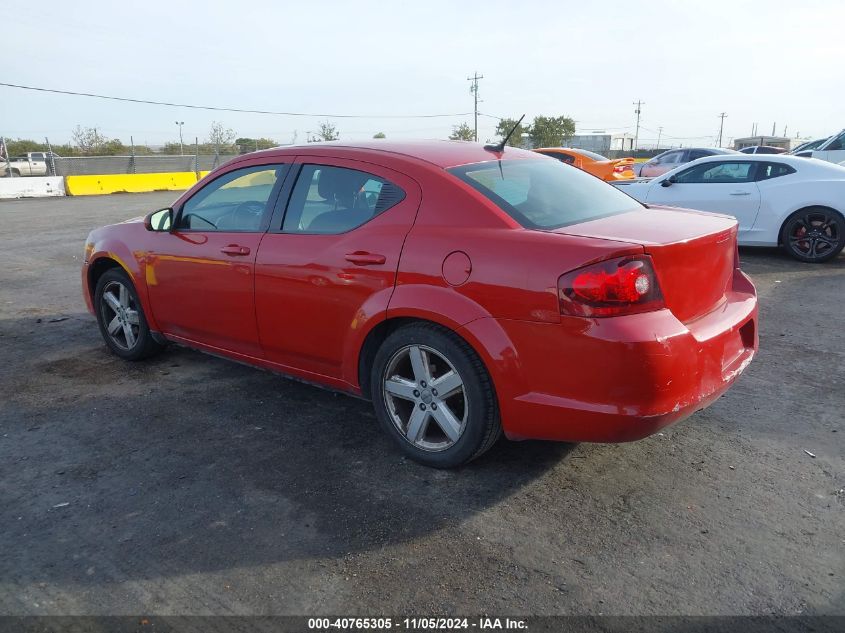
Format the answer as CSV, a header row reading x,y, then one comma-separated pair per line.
x,y
444,154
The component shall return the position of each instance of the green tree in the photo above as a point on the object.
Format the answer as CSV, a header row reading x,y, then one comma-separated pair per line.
x,y
246,144
327,132
551,131
462,132
379,135
517,138
21,146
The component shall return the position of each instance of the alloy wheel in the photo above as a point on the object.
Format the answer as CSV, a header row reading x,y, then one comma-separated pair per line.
x,y
425,398
815,234
120,315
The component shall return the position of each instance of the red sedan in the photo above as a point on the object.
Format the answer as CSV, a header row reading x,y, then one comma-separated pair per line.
x,y
466,291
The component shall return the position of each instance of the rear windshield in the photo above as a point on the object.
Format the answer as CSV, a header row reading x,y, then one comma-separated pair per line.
x,y
589,154
545,194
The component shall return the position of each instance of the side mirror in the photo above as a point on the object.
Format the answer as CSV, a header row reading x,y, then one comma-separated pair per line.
x,y
161,220
667,182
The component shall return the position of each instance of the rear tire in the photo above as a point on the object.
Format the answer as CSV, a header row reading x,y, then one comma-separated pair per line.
x,y
434,397
121,317
814,234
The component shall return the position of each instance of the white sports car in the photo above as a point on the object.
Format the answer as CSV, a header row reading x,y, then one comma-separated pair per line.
x,y
795,202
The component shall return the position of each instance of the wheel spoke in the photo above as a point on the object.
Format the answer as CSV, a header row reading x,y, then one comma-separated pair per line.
x,y
417,425
124,296
114,304
114,326
132,317
447,421
400,387
129,334
447,384
419,364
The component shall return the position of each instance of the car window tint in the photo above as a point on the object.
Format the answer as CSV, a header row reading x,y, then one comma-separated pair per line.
x,y
698,153
836,144
236,201
718,172
766,171
564,158
542,194
330,199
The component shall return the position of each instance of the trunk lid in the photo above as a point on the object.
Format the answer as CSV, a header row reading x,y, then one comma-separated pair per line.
x,y
693,252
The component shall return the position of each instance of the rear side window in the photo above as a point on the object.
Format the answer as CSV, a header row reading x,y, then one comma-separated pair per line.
x,y
766,171
543,194
330,199
698,153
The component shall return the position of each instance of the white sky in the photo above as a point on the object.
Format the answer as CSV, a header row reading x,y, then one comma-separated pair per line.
x,y
760,61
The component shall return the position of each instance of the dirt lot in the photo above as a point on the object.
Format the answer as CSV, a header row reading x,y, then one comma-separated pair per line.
x,y
189,484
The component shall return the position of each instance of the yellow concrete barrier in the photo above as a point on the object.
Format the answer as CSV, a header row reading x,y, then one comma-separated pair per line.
x,y
128,183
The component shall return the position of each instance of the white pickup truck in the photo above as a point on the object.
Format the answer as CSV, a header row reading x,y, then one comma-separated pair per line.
x,y
31,164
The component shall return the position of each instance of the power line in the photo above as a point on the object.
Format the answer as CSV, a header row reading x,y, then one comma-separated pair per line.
x,y
240,110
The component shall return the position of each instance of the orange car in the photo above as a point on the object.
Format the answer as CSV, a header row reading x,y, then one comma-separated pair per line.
x,y
595,164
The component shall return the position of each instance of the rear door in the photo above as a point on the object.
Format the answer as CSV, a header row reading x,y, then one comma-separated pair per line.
x,y
725,186
329,261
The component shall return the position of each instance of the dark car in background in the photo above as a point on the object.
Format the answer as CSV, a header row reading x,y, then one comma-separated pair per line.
x,y
762,149
672,158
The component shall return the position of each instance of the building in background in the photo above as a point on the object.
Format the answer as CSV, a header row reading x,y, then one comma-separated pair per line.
x,y
602,142
762,139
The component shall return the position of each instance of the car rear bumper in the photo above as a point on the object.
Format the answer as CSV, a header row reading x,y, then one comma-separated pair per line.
x,y
623,378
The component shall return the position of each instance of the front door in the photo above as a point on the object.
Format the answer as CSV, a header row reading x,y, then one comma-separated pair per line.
x,y
201,276
720,186
330,263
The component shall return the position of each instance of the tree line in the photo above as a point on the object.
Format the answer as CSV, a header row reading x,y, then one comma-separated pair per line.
x,y
543,131
89,141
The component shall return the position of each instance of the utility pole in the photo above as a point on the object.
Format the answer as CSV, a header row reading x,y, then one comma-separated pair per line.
x,y
659,134
721,126
181,149
474,90
637,134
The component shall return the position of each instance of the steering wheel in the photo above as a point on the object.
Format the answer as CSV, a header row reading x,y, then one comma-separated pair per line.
x,y
247,214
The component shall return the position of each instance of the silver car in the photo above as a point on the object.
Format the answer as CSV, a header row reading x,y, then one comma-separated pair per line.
x,y
672,158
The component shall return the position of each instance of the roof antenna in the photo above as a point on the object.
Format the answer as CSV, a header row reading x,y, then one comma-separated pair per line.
x,y
500,147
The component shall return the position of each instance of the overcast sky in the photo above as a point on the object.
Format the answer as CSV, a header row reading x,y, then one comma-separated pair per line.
x,y
765,62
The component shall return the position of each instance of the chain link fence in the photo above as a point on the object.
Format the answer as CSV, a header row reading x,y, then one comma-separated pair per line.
x,y
96,165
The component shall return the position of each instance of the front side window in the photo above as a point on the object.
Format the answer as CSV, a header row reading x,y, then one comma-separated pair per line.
x,y
718,172
236,201
765,171
330,199
837,143
542,194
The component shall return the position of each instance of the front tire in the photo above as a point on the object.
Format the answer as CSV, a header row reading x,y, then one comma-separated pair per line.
x,y
433,396
121,317
814,234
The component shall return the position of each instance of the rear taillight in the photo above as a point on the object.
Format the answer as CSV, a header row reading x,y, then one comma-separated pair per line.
x,y
624,285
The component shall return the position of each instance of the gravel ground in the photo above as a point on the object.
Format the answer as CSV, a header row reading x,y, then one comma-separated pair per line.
x,y
192,485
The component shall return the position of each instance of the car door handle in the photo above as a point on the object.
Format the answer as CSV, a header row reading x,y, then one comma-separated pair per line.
x,y
740,193
365,259
235,249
